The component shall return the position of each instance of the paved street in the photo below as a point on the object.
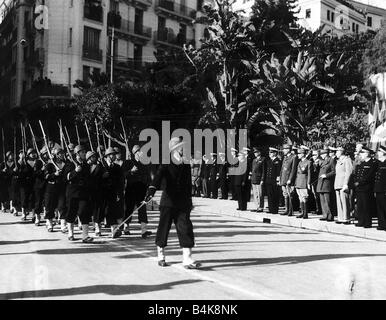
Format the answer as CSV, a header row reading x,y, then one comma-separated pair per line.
x,y
242,259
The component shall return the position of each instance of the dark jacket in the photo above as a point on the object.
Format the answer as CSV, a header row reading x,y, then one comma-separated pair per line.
x,y
78,182
327,167
288,170
258,170
315,168
380,178
39,179
273,171
303,174
365,176
242,178
142,174
176,181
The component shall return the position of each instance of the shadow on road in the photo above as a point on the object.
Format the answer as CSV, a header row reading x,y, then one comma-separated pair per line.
x,y
26,241
114,290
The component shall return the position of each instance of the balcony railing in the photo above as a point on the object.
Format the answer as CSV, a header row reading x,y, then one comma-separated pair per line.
x,y
146,3
127,26
167,36
93,10
131,64
173,8
43,91
92,53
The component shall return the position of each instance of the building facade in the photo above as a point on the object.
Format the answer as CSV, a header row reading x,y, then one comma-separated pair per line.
x,y
46,45
375,16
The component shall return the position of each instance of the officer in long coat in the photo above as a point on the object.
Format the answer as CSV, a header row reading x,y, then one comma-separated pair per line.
x,y
364,184
326,185
303,182
380,188
272,180
175,205
287,178
241,181
258,170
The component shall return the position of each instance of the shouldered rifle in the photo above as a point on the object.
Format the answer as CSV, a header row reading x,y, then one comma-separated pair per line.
x,y
77,133
48,149
88,134
66,145
35,144
99,144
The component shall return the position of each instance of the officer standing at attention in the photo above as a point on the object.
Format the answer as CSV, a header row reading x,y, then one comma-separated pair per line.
x,y
364,185
380,188
272,179
303,182
175,205
257,179
287,178
223,176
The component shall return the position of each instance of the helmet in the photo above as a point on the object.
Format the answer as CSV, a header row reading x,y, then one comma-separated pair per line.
x,y
43,150
71,146
110,151
57,150
79,148
90,154
135,149
29,151
8,154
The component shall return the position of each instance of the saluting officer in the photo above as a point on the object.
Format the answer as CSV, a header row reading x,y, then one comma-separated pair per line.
x,y
175,205
287,178
380,188
364,184
272,180
258,172
303,181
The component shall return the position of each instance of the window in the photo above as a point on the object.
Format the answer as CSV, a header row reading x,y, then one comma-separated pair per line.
x,y
369,21
70,37
332,16
308,13
138,21
357,28
86,74
328,15
137,55
91,38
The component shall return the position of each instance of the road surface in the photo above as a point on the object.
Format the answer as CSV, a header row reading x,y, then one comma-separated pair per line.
x,y
241,259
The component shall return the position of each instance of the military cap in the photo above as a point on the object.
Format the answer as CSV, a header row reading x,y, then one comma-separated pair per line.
x,y
57,150
29,151
71,146
8,154
90,154
79,148
213,154
273,149
287,146
382,149
110,151
366,150
175,143
135,149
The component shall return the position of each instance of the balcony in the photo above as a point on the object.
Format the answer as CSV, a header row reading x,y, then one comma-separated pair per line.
x,y
174,10
130,29
131,65
93,10
142,4
36,59
44,91
92,54
166,37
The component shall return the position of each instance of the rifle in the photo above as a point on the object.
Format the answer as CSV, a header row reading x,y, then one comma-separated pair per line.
x,y
124,132
77,133
3,145
48,149
61,133
99,144
68,136
88,134
35,144
23,142
66,145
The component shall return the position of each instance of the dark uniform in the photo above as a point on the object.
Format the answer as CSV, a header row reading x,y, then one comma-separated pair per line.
x,y
204,175
233,164
258,172
223,180
380,193
213,186
288,173
325,187
97,193
364,181
175,204
196,180
26,183
273,189
6,170
242,181
15,187
39,186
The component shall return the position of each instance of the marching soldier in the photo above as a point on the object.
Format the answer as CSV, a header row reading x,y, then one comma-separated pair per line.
x,y
15,185
223,176
78,195
326,184
26,183
176,204
380,188
6,180
114,186
364,184
303,181
343,171
38,188
272,180
287,178
138,177
257,179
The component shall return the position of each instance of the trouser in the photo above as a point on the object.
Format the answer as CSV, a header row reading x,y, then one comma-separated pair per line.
x,y
353,210
317,200
342,205
195,187
213,188
205,187
381,209
258,196
224,188
26,196
135,194
232,187
114,209
184,226
325,202
15,192
51,200
364,206
77,207
334,209
98,208
273,194
242,196
302,194
38,198
287,193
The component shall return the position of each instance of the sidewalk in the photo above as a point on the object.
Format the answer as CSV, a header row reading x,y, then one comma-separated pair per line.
x,y
228,208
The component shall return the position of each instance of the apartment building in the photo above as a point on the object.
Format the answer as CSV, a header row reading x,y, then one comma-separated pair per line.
x,y
375,16
43,53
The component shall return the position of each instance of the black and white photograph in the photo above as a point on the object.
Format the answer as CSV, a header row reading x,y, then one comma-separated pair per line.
x,y
189,156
